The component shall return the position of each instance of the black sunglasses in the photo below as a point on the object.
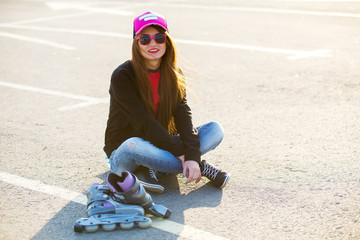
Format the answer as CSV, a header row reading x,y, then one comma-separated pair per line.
x,y
146,39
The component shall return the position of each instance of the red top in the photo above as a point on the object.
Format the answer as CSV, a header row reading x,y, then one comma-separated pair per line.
x,y
154,80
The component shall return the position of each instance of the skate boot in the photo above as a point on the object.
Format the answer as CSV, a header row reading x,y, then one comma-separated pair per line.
x,y
128,189
103,210
218,177
149,179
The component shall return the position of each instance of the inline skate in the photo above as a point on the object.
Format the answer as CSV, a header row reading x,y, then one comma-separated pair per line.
x,y
129,190
105,211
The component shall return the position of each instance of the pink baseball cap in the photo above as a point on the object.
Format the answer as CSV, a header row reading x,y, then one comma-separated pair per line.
x,y
148,19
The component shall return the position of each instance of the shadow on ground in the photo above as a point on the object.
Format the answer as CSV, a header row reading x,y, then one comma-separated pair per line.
x,y
61,225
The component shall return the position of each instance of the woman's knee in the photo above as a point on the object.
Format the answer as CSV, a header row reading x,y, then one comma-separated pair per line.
x,y
132,143
124,157
218,131
211,135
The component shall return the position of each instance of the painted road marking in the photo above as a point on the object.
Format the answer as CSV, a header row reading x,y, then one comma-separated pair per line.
x,y
86,6
339,1
76,31
65,5
87,100
37,40
43,188
262,10
89,6
294,54
46,19
53,4
181,230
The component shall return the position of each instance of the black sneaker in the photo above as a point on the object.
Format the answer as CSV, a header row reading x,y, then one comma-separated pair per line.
x,y
218,177
149,179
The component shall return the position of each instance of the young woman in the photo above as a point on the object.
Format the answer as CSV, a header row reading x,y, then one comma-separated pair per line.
x,y
150,123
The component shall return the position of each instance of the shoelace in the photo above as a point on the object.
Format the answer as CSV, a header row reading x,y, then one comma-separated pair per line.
x,y
152,173
210,171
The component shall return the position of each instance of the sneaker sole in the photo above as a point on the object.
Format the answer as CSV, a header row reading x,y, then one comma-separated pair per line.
x,y
226,180
153,187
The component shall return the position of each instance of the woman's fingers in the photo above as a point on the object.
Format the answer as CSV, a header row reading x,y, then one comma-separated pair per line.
x,y
192,171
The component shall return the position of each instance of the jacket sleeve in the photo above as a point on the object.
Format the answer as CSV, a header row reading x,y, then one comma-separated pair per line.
x,y
123,89
188,134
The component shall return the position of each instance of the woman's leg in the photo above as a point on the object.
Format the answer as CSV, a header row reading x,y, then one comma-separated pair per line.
x,y
136,152
211,134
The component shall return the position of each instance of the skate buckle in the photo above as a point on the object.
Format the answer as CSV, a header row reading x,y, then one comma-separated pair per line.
x,y
118,197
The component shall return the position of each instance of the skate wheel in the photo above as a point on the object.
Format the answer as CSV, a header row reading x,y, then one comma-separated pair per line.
x,y
145,224
109,227
78,228
92,228
127,226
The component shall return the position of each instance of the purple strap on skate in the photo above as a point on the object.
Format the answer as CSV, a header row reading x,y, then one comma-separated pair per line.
x,y
122,183
107,204
128,182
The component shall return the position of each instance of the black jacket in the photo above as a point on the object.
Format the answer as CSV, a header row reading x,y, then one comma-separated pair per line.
x,y
129,117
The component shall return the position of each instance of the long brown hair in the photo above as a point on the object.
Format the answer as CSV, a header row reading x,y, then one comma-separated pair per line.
x,y
171,87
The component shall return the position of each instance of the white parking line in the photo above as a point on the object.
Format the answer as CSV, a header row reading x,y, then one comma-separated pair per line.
x,y
37,40
87,100
294,54
75,31
46,19
339,1
181,230
86,6
261,10
73,15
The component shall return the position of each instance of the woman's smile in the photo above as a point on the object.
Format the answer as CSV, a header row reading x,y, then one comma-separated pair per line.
x,y
154,50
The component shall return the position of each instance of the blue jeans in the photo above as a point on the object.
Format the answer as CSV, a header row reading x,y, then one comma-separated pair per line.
x,y
135,152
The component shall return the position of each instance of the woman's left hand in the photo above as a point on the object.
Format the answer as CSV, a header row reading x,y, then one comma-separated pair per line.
x,y
191,171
